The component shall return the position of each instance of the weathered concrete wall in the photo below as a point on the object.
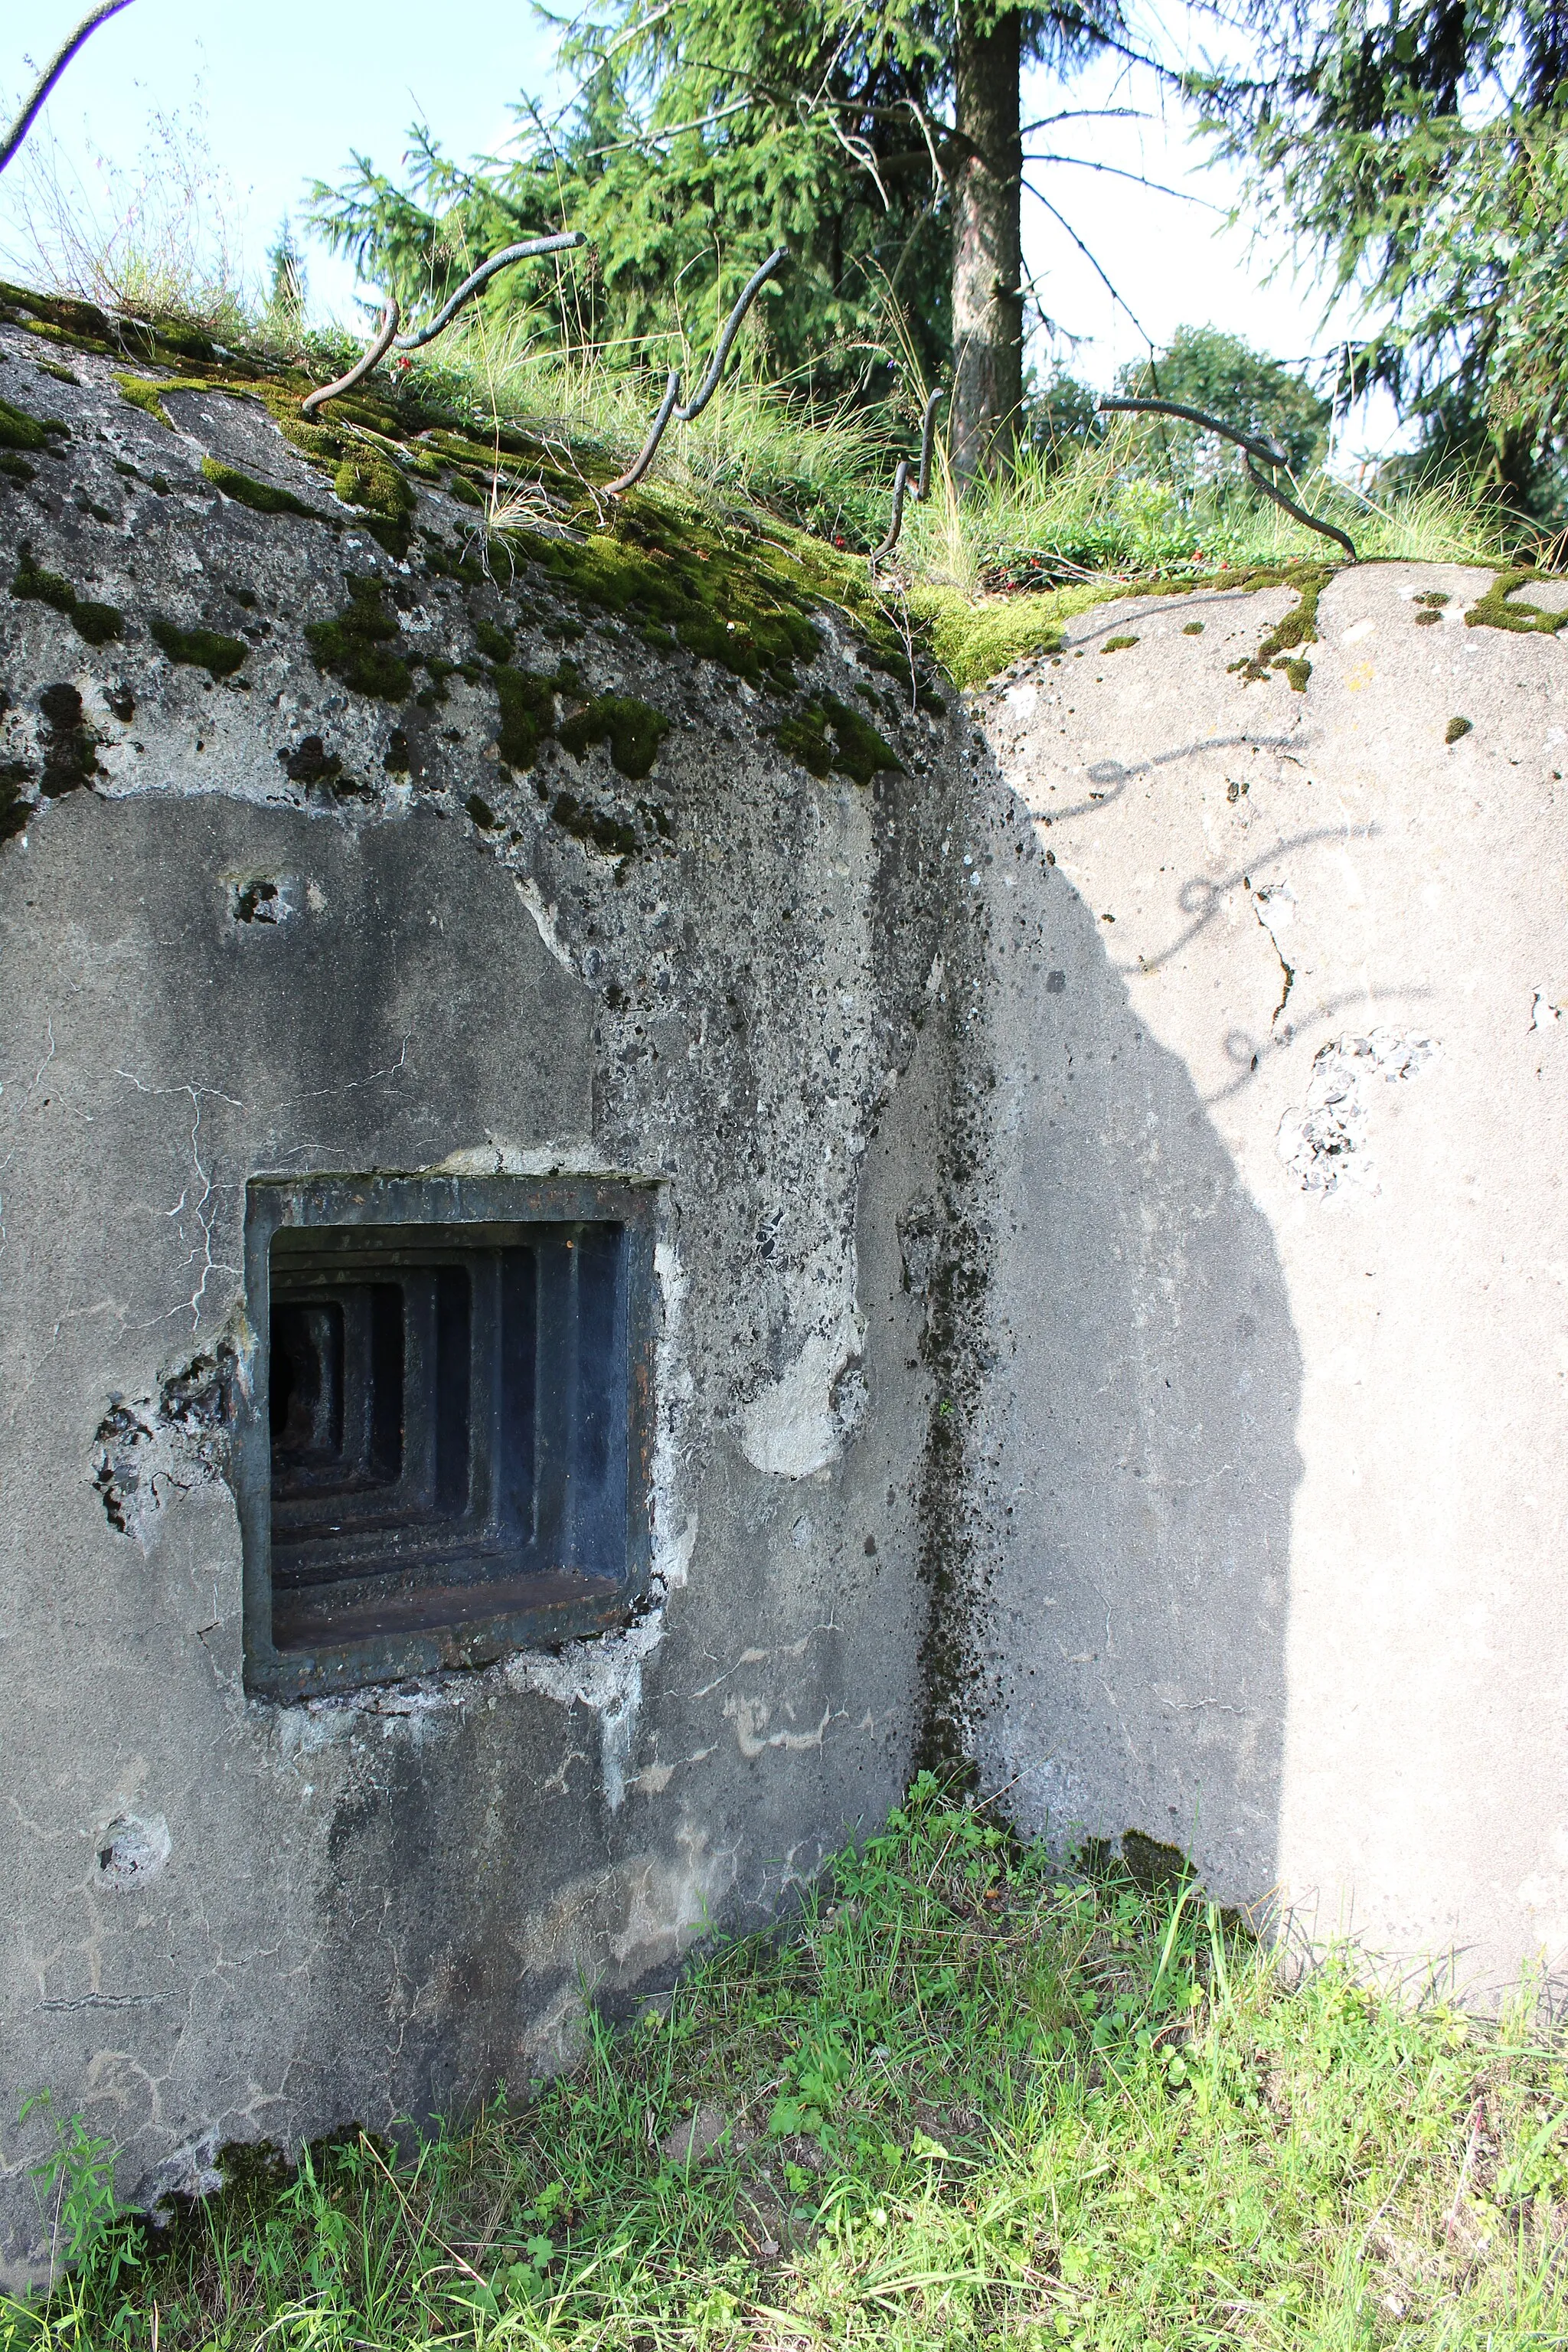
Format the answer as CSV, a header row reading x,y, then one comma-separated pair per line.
x,y
1272,1453
227,1918
1109,1183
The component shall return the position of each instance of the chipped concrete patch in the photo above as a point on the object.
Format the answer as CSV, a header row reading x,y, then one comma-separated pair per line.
x,y
799,1424
1325,1143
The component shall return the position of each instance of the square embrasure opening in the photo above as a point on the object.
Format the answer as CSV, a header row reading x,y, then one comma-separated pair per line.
x,y
445,1455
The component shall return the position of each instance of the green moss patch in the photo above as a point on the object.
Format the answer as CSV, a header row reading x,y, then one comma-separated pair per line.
x,y
20,431
69,744
206,649
146,393
973,641
261,498
1457,729
1117,645
527,713
1493,611
1276,648
367,478
678,579
93,622
633,730
362,645
613,835
830,735
494,643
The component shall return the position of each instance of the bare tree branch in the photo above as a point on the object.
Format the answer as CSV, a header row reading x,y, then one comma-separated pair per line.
x,y
1117,298
1083,163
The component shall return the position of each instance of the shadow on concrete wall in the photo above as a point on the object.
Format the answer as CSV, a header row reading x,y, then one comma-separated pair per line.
x,y
1138,1438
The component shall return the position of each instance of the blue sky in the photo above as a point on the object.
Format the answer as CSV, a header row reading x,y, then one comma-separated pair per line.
x,y
283,89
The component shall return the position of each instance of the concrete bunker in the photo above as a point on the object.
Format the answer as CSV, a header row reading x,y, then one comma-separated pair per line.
x,y
687,1227
489,999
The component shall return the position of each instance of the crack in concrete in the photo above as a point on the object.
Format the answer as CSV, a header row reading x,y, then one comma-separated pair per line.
x,y
205,1216
1275,906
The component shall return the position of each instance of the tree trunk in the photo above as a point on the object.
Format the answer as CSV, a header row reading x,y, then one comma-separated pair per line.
x,y
987,246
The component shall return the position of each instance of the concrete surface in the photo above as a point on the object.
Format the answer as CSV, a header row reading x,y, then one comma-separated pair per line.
x,y
1111,1267
1273,1462
224,1918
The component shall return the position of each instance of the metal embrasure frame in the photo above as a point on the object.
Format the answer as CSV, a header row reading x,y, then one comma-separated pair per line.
x,y
275,1202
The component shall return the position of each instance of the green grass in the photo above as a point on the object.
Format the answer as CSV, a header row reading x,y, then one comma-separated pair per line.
x,y
984,576
987,575
970,2101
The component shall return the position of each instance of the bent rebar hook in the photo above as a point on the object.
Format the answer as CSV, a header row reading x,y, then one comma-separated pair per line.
x,y
901,482
1269,451
52,72
387,334
668,406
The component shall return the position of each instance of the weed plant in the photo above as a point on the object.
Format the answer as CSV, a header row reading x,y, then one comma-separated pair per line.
x,y
969,2100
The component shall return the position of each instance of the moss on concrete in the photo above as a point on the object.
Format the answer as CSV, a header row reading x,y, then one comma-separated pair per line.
x,y
366,477
261,498
362,644
93,622
973,641
853,747
527,713
495,643
633,729
613,835
206,649
20,431
1277,647
680,580
69,744
1493,611
146,393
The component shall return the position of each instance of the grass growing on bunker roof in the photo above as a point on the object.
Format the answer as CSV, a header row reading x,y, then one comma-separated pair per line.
x,y
971,2100
763,506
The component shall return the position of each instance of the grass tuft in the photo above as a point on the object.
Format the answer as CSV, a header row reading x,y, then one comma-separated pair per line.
x,y
972,2100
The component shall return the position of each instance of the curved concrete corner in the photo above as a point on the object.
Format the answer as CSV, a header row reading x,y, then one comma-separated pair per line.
x,y
1277,1470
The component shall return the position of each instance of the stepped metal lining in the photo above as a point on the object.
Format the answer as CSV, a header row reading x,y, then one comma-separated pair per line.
x,y
447,1452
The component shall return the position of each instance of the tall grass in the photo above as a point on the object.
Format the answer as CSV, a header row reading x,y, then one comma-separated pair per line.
x,y
1083,512
972,2101
156,239
1073,519
1109,506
